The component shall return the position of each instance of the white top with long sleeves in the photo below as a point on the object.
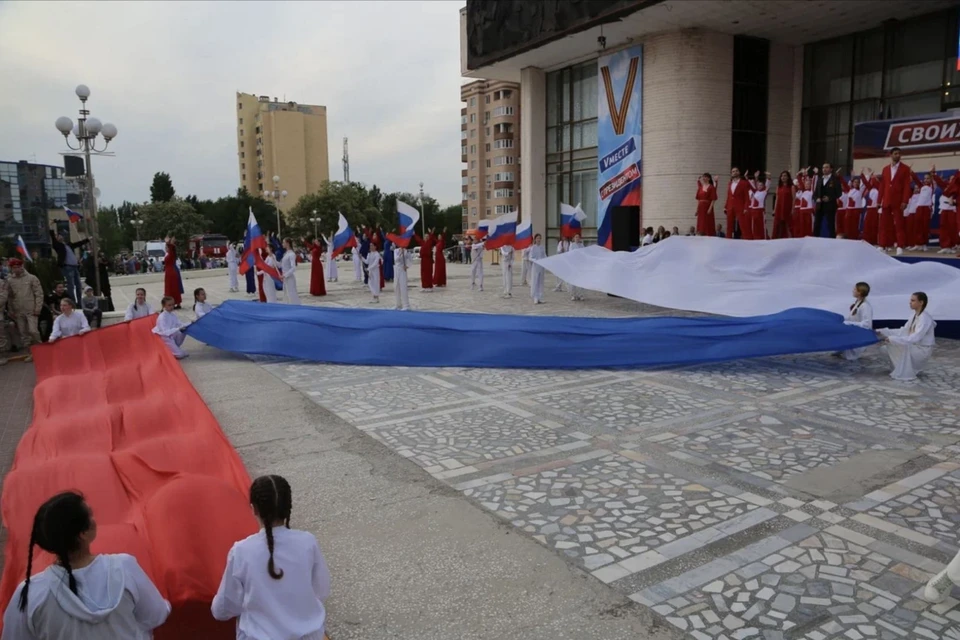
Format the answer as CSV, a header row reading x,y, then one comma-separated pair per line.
x,y
758,196
115,599
506,252
135,311
66,326
918,331
855,198
202,309
288,264
476,251
373,259
912,204
291,607
269,260
861,315
563,246
232,257
167,324
926,197
402,258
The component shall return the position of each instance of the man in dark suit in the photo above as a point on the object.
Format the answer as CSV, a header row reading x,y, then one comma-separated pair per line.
x,y
825,195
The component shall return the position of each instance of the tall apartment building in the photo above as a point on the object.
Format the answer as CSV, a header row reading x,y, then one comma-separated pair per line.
x,y
490,149
284,139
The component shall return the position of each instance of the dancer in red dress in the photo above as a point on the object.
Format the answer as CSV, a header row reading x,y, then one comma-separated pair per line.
x,y
426,261
317,287
440,263
948,210
871,219
738,199
263,296
783,207
760,184
171,284
706,196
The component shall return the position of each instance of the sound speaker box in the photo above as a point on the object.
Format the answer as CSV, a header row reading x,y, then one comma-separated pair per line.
x,y
625,227
73,166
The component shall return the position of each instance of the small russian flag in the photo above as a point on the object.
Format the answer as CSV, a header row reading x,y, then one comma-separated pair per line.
x,y
343,238
73,215
22,249
570,219
503,230
408,217
524,237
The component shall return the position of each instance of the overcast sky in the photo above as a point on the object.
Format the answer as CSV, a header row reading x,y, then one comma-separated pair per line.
x,y
166,73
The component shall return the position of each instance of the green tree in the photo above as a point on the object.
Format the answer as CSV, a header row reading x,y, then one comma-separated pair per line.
x,y
175,218
452,218
162,188
352,199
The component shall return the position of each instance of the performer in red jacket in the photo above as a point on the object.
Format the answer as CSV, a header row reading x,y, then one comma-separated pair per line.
x,y
895,192
738,199
706,196
171,284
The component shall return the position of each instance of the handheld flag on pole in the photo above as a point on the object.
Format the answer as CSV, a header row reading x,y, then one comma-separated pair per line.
x,y
524,237
22,249
253,243
343,238
74,216
502,232
483,229
571,219
408,218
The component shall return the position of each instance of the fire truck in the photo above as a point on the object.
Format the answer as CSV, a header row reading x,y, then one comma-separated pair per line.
x,y
211,245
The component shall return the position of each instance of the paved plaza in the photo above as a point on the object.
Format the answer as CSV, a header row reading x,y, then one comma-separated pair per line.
x,y
790,497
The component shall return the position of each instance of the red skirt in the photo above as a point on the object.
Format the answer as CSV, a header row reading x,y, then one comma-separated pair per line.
x,y
851,225
871,225
171,284
803,223
317,286
782,226
948,229
758,230
426,271
706,226
922,227
841,222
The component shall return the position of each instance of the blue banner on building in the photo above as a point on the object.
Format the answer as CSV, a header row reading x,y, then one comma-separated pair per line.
x,y
619,136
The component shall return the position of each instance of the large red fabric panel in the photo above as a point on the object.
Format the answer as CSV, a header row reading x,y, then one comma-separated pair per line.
x,y
116,418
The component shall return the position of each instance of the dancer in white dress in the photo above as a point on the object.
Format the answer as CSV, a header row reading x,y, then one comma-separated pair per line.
x,y
170,329
331,260
861,315
402,260
200,305
373,268
233,265
525,265
506,266
68,323
576,293
536,271
910,347
269,288
476,265
357,267
289,271
139,308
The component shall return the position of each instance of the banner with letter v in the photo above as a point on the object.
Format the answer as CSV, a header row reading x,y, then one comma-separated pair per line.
x,y
619,136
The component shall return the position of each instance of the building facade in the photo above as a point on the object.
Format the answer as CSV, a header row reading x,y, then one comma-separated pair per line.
x,y
31,196
284,139
758,84
489,149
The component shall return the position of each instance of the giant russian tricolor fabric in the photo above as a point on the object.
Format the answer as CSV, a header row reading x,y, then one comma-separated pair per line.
x,y
734,278
116,418
425,339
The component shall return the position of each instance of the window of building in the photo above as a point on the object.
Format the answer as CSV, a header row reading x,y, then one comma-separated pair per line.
x,y
508,144
902,69
241,132
504,176
748,141
503,127
244,177
503,193
464,179
463,135
463,150
505,208
486,132
241,144
473,149
243,165
473,164
473,133
473,118
473,195
502,160
239,106
463,119
488,212
488,164
259,186
473,179
473,211
486,117
241,120
487,99
503,111
473,102
486,147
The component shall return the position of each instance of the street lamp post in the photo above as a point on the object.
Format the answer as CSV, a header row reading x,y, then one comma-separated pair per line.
x,y
315,220
276,194
86,132
136,222
423,218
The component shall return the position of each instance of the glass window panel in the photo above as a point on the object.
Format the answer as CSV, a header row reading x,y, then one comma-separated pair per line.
x,y
918,105
553,98
553,139
866,111
828,70
589,81
915,54
868,64
565,96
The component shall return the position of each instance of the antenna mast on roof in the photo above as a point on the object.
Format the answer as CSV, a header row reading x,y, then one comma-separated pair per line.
x,y
346,161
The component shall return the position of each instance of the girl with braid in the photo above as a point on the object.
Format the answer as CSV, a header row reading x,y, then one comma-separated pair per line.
x,y
81,596
276,581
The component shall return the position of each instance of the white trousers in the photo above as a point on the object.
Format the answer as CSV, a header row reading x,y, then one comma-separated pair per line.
x,y
290,290
173,343
476,272
507,278
401,296
232,270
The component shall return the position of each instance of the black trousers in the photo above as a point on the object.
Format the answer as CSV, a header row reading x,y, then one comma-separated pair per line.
x,y
828,211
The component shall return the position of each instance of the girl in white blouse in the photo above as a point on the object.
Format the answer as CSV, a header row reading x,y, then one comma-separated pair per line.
x,y
68,323
861,315
140,307
276,581
200,305
910,347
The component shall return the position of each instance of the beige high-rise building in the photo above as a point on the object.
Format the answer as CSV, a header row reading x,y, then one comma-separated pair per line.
x,y
284,139
490,147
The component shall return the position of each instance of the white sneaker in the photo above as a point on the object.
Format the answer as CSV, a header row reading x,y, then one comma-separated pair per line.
x,y
899,251
938,587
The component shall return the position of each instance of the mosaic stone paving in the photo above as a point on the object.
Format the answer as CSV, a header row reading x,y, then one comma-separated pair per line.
x,y
464,438
675,487
607,509
823,587
769,449
932,509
